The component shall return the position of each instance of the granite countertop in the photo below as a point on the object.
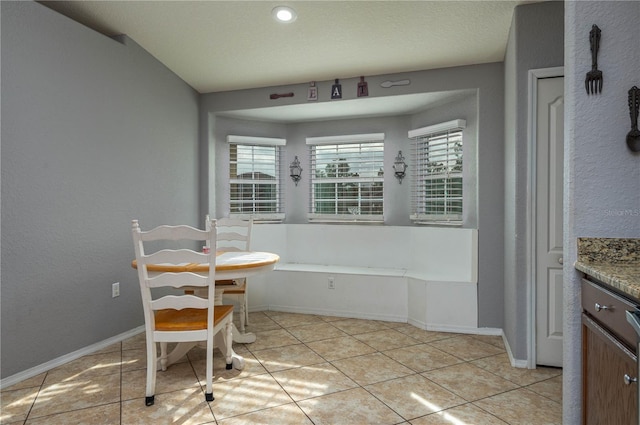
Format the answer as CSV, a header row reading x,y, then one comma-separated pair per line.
x,y
613,261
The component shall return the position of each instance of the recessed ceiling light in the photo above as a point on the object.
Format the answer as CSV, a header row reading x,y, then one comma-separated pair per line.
x,y
284,14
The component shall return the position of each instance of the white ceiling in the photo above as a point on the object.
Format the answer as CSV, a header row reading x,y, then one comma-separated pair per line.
x,y
231,45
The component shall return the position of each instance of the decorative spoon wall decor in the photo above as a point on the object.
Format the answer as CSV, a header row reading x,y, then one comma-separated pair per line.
x,y
387,84
633,137
279,95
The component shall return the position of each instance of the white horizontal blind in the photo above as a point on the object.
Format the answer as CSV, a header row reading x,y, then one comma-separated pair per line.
x,y
437,184
255,188
347,180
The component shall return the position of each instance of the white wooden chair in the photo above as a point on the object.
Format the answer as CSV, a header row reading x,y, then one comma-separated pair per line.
x,y
179,317
235,235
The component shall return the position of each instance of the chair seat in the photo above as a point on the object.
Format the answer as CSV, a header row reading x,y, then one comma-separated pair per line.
x,y
233,287
226,282
235,291
189,319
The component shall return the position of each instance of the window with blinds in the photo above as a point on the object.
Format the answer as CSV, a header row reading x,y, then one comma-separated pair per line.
x,y
255,188
347,178
437,184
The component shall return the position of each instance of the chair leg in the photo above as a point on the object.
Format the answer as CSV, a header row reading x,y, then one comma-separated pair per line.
x,y
163,356
208,395
245,305
151,372
242,315
229,344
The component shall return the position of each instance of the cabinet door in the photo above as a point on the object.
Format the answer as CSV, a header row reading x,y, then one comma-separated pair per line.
x,y
607,398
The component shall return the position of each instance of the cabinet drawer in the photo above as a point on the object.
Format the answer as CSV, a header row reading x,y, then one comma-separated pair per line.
x,y
610,310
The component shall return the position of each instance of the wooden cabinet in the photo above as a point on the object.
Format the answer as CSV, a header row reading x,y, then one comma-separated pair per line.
x,y
610,396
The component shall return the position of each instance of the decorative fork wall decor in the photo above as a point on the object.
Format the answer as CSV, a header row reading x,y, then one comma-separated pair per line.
x,y
633,137
594,79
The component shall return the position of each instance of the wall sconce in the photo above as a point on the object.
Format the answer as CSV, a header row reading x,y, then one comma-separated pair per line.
x,y
295,170
400,167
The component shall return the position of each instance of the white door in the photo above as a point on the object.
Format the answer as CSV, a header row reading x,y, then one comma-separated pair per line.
x,y
548,219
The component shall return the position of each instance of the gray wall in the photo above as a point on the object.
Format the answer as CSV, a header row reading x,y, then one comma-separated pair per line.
x,y
486,80
535,41
602,177
95,132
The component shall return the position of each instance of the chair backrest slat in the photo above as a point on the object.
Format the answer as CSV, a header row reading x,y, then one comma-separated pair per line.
x,y
179,302
177,280
233,234
150,279
172,233
176,256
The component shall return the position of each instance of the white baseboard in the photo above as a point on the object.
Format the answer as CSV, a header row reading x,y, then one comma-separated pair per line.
x,y
44,367
337,313
456,329
521,364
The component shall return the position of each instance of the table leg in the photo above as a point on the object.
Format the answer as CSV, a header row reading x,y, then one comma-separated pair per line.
x,y
244,338
176,354
236,360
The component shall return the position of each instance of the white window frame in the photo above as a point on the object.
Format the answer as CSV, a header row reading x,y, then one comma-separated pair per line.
x,y
446,142
254,143
360,164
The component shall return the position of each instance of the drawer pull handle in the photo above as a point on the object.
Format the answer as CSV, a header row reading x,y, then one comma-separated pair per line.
x,y
601,307
629,380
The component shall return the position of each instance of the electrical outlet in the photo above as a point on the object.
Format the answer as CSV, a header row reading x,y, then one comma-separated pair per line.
x,y
115,289
332,283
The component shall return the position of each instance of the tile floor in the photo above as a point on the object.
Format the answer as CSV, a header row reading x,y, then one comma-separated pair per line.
x,y
303,369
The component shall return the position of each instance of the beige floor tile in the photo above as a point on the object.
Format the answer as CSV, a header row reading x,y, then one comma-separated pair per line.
x,y
110,349
85,368
318,361
34,381
349,407
460,415
272,339
137,341
523,407
423,335
501,366
387,339
469,382
371,368
466,347
395,325
260,322
239,396
15,404
359,326
288,357
494,340
422,357
290,320
414,396
551,388
287,414
134,359
108,414
340,348
184,407
316,332
179,376
251,367
332,318
313,381
76,394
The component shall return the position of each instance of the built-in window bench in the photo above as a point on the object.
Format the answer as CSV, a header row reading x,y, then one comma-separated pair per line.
x,y
420,275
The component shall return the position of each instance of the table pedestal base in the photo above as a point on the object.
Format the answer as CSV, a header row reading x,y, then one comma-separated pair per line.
x,y
182,348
